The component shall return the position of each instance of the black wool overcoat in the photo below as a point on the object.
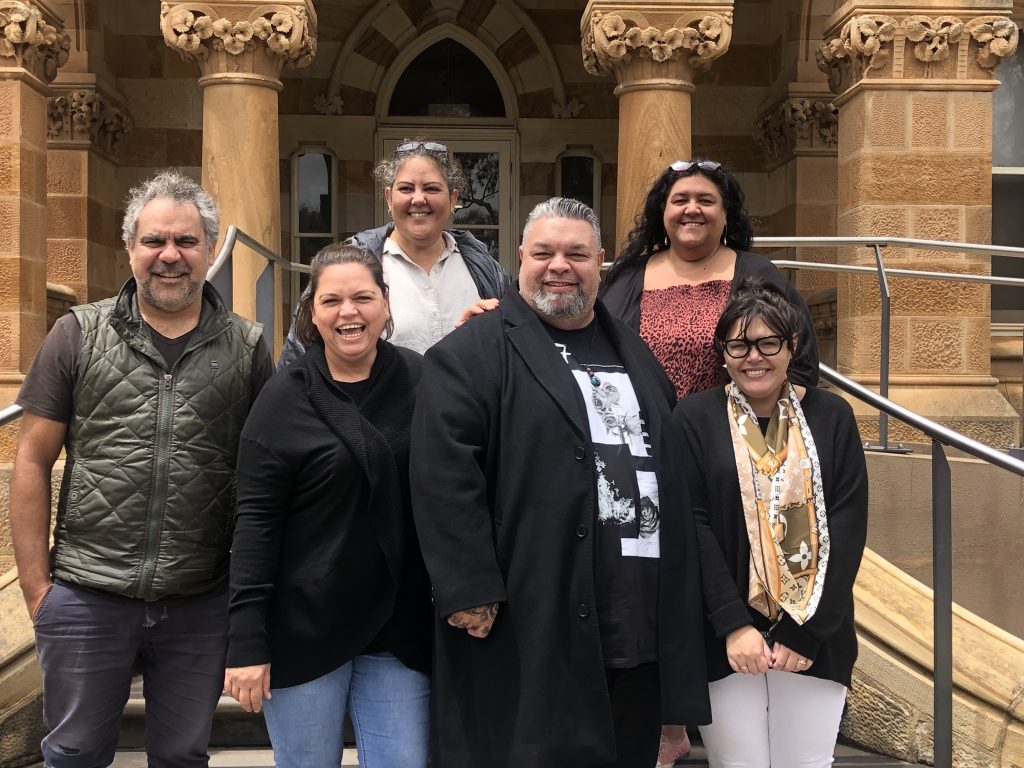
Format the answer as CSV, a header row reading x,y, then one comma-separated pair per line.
x,y
504,499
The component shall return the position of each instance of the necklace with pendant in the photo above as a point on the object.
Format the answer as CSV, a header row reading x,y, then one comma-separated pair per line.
x,y
595,382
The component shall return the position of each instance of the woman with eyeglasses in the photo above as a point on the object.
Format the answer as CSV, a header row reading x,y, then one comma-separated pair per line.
x,y
682,263
434,273
779,489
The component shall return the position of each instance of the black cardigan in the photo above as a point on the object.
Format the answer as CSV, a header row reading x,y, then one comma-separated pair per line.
x,y
709,463
622,297
325,560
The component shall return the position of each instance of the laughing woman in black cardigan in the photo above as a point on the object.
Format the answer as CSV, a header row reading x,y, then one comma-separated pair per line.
x,y
330,609
779,490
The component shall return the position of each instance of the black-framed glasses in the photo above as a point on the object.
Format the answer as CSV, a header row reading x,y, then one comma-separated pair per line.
x,y
768,346
705,165
430,146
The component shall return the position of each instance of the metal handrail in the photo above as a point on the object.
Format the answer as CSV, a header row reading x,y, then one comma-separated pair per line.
x,y
233,235
9,414
876,244
942,545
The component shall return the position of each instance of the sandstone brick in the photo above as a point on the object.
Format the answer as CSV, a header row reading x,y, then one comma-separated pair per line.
x,y
10,231
978,223
938,298
972,127
929,122
937,222
33,174
67,216
935,178
887,123
66,261
10,279
33,118
10,110
10,359
978,345
65,171
851,127
936,346
817,180
10,168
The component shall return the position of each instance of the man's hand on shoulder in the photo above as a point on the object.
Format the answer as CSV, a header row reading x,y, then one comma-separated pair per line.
x,y
479,308
476,621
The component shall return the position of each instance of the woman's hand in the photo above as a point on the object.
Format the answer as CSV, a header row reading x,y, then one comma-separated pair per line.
x,y
786,660
483,305
477,621
249,686
747,651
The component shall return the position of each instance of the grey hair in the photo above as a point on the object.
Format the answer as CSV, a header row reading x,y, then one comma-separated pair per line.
x,y
564,208
446,162
182,190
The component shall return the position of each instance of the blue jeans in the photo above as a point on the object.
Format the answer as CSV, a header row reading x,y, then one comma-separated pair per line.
x,y
89,643
389,705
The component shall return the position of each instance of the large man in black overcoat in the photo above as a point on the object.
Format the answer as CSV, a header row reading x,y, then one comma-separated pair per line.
x,y
555,525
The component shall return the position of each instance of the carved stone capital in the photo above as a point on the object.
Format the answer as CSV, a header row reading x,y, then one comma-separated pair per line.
x,y
33,38
242,40
798,125
82,116
966,46
654,45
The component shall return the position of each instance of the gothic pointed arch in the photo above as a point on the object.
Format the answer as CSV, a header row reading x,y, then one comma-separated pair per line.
x,y
391,33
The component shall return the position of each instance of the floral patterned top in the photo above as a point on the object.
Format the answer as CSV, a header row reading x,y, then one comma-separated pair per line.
x,y
678,324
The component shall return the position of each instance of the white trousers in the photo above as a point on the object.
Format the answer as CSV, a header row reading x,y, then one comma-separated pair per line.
x,y
774,720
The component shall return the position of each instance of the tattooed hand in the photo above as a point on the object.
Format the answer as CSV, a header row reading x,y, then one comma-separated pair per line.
x,y
477,621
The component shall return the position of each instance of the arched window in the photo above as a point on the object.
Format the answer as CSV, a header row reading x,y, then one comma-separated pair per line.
x,y
446,80
314,209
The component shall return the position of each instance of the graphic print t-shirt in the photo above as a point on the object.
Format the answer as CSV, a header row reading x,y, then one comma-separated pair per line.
x,y
628,510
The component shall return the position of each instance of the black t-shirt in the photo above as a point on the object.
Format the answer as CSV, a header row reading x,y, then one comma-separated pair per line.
x,y
627,514
48,389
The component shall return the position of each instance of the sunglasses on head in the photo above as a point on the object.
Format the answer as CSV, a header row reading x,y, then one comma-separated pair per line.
x,y
705,165
430,146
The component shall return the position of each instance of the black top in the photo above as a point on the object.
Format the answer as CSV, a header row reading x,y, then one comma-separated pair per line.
x,y
325,561
627,514
829,637
622,298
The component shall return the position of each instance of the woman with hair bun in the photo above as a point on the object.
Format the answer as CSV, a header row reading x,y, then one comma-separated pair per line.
x,y
779,488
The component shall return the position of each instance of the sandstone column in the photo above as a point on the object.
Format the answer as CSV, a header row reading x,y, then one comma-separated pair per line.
x,y
32,46
241,47
653,48
915,160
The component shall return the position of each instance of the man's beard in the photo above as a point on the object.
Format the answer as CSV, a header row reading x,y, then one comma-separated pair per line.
x,y
560,305
169,300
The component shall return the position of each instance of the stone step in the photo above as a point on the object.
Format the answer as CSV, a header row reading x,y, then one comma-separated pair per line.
x,y
845,757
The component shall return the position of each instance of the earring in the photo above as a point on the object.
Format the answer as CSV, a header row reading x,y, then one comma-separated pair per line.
x,y
725,232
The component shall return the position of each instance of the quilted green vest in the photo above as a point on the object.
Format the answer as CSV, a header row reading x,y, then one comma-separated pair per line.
x,y
147,499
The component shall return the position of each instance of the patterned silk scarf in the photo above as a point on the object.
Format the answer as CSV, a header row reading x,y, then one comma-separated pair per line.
x,y
783,505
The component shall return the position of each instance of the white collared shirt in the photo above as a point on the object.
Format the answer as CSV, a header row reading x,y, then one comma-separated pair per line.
x,y
425,306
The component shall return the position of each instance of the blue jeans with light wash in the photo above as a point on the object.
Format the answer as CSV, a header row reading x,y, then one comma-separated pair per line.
x,y
389,705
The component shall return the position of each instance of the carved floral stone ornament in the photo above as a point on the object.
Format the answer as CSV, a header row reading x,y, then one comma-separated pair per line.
x,y
328,105
612,39
34,44
932,36
862,45
85,115
195,29
568,110
997,37
797,124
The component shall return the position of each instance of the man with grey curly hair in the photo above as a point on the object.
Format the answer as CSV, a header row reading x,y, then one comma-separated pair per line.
x,y
555,524
148,391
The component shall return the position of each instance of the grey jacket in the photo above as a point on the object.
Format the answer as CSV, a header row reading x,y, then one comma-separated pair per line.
x,y
148,495
491,280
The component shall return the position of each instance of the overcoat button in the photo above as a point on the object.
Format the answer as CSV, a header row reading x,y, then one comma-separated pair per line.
x,y
579,452
581,531
582,610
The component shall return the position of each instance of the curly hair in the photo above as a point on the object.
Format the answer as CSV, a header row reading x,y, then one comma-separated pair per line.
x,y
182,190
756,297
446,162
648,235
336,253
